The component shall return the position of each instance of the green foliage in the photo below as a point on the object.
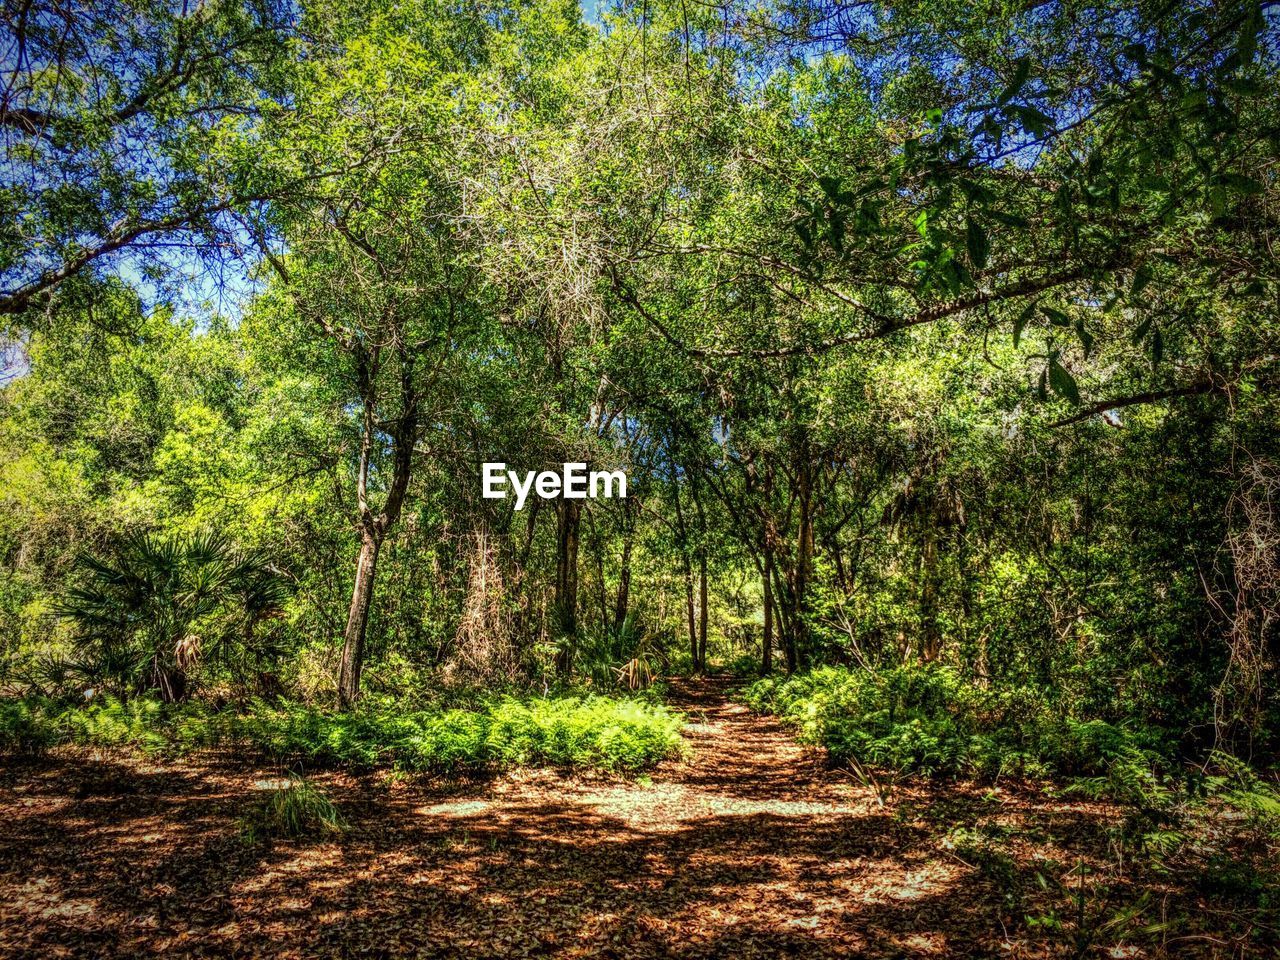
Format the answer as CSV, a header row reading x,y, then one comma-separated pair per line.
x,y
142,723
783,310
296,810
625,658
982,847
149,613
25,727
591,731
932,720
1242,883
621,735
115,115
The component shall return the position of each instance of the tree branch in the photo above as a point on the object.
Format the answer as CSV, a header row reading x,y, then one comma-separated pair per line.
x,y
1151,396
1021,288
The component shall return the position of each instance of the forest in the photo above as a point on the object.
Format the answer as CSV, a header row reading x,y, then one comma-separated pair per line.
x,y
925,354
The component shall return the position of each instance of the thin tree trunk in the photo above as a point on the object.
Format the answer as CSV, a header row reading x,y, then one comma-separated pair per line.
x,y
798,648
597,548
524,599
701,663
702,613
689,609
789,648
931,633
687,567
358,621
624,586
374,527
783,611
566,604
766,654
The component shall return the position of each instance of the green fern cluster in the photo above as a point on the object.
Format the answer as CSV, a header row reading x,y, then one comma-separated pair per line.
x,y
593,731
622,734
929,719
25,727
37,723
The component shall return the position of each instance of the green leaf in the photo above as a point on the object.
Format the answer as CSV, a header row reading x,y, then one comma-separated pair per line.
x,y
1020,324
1140,333
1064,385
1085,337
1008,219
835,234
976,242
1141,277
830,186
1247,42
1241,184
1056,317
1035,122
1157,347
1021,71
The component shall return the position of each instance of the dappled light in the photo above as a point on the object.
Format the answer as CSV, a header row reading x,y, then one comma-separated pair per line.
x,y
650,479
748,846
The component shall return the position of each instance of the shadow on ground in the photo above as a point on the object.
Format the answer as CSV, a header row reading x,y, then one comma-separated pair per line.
x,y
746,848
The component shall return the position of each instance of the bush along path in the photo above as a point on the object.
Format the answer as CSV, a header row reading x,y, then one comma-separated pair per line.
x,y
746,846
608,733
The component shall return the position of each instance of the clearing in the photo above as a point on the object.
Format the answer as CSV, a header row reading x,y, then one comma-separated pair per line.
x,y
748,847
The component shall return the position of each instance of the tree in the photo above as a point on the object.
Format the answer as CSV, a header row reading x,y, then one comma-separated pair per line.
x,y
382,261
110,124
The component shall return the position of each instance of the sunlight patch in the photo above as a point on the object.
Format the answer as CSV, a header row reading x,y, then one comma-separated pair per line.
x,y
457,808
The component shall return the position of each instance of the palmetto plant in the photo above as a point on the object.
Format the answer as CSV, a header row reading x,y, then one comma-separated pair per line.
x,y
145,615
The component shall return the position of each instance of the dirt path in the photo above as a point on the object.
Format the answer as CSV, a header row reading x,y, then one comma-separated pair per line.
x,y
745,848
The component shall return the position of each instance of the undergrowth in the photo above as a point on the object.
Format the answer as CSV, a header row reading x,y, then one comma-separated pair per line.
x,y
930,720
295,810
1217,820
613,734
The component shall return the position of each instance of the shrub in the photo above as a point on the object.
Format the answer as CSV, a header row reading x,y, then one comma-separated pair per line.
x,y
603,732
146,614
600,732
110,722
25,727
928,719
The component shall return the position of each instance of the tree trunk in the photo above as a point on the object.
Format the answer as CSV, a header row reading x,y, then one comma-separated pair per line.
x,y
357,621
687,566
789,648
931,633
798,648
701,660
701,664
690,615
624,586
597,548
784,610
766,654
524,598
566,605
374,527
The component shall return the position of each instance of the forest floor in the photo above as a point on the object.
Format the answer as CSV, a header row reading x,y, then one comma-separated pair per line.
x,y
747,847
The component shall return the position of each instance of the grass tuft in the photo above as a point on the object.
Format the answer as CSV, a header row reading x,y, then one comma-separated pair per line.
x,y
297,810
